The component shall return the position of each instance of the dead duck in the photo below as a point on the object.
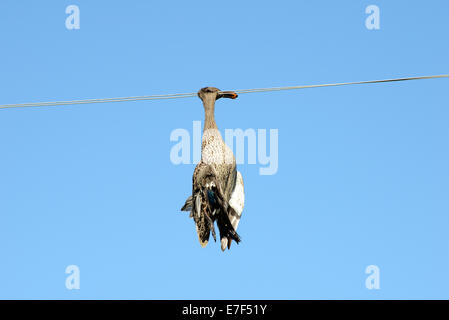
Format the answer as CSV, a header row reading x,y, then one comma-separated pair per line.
x,y
217,190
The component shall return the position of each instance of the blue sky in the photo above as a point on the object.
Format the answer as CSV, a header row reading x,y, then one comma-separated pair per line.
x,y
363,174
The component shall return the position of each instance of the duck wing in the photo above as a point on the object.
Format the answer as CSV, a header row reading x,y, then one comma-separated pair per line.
x,y
209,204
236,203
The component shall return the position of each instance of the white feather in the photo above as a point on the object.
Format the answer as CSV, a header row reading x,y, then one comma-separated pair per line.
x,y
198,205
237,202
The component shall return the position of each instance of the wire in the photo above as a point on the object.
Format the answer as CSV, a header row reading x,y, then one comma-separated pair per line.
x,y
339,84
87,101
193,94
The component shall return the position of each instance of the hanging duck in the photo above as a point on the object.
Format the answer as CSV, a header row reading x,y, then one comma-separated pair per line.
x,y
217,191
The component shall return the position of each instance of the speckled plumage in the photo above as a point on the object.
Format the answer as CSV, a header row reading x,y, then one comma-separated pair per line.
x,y
217,189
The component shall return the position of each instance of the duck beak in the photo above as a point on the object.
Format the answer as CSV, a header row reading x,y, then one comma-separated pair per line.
x,y
227,94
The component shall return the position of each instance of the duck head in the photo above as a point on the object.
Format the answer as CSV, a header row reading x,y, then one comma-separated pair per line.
x,y
210,94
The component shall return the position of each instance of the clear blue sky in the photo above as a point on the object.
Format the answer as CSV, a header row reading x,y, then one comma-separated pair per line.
x,y
363,171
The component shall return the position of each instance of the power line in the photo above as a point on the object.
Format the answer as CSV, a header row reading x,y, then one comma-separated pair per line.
x,y
340,84
193,94
104,100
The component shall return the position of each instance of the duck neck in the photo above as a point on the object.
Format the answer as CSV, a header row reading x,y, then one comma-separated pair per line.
x,y
209,109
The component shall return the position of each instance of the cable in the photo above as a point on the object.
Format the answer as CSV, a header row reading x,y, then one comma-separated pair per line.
x,y
338,84
87,101
193,94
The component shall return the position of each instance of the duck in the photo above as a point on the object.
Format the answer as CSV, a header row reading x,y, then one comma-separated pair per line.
x,y
217,186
